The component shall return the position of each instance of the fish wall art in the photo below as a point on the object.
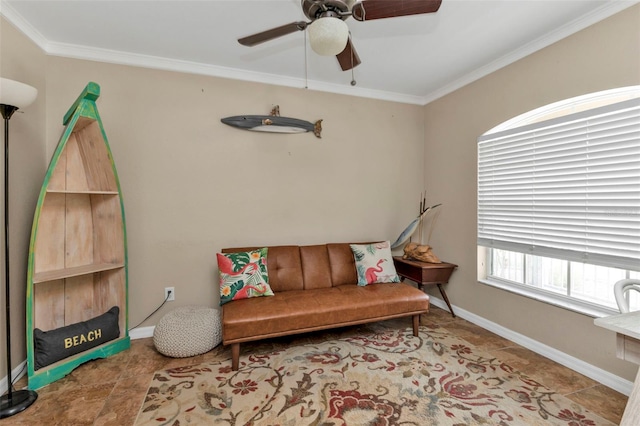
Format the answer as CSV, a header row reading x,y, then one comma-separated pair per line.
x,y
274,123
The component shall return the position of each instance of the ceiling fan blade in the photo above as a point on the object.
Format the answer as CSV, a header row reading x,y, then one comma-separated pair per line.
x,y
379,9
348,58
267,35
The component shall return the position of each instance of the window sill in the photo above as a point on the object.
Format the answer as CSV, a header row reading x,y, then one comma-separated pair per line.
x,y
559,301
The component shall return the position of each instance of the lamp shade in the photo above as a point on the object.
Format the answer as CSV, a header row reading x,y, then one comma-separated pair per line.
x,y
16,94
328,36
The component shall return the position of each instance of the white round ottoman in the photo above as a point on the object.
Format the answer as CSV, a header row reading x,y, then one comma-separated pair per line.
x,y
188,331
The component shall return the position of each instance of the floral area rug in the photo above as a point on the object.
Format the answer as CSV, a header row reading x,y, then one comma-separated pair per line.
x,y
386,377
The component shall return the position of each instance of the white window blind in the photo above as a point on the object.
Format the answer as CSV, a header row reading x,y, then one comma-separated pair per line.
x,y
567,188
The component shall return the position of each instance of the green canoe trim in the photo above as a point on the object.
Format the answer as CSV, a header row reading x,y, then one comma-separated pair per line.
x,y
90,93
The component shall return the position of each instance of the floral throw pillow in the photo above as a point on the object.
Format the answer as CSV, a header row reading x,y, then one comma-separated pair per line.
x,y
374,263
243,275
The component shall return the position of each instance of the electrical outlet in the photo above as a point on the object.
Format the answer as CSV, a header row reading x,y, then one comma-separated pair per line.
x,y
172,296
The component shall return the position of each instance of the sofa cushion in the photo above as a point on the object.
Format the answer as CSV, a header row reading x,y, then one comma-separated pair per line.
x,y
315,309
374,263
315,266
343,265
243,275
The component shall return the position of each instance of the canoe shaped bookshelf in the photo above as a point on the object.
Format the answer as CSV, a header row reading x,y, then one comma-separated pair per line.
x,y
77,268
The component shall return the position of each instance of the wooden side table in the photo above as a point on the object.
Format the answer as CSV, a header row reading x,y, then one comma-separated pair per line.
x,y
423,273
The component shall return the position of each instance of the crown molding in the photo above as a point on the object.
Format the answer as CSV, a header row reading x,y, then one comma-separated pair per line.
x,y
10,14
155,62
597,15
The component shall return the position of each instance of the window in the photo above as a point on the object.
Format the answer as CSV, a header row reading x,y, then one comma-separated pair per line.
x,y
559,201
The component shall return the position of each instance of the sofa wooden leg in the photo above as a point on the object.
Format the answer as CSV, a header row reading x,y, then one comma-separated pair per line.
x,y
416,325
235,356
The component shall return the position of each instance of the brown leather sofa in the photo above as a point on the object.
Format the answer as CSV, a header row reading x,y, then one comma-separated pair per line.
x,y
315,288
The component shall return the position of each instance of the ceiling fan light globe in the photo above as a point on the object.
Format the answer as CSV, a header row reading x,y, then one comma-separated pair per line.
x,y
328,36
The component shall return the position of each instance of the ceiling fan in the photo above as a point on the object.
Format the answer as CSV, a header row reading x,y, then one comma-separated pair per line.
x,y
329,35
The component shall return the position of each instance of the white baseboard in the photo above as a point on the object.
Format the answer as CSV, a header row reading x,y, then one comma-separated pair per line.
x,y
598,374
141,333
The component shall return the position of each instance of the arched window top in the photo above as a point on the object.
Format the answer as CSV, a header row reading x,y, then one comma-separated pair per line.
x,y
569,106
566,185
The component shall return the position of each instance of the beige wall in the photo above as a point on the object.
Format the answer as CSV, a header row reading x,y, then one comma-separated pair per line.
x,y
603,56
193,185
21,60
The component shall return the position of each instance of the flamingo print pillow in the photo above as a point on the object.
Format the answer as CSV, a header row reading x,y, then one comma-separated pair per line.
x,y
374,263
243,275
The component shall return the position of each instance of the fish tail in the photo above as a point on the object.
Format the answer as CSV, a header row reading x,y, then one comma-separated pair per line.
x,y
317,128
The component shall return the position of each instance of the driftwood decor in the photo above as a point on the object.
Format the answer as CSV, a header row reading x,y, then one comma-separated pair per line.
x,y
418,251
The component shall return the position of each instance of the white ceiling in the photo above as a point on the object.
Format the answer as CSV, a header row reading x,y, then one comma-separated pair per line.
x,y
412,59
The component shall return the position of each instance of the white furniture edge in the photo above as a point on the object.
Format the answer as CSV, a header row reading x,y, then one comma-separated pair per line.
x,y
627,324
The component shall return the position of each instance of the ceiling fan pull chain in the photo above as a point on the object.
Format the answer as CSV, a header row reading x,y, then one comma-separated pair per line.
x,y
353,78
306,67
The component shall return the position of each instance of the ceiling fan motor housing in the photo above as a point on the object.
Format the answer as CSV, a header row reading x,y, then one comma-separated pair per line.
x,y
314,9
331,37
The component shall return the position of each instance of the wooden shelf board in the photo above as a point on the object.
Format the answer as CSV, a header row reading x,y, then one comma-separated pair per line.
x,y
75,271
66,191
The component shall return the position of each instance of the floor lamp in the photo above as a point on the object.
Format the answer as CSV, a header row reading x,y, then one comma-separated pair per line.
x,y
13,96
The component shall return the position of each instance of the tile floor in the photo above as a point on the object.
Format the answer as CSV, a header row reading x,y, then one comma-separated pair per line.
x,y
110,391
